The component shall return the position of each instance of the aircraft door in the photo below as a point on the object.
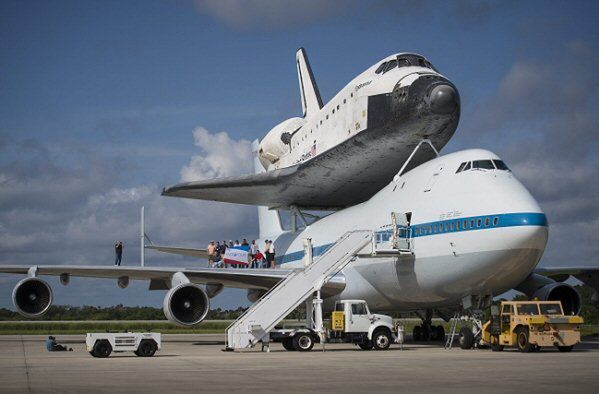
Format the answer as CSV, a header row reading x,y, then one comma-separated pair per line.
x,y
433,179
402,233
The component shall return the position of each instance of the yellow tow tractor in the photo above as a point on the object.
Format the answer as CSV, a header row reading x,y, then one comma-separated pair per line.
x,y
530,325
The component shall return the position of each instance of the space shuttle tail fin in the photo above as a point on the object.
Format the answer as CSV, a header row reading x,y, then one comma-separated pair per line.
x,y
311,100
269,221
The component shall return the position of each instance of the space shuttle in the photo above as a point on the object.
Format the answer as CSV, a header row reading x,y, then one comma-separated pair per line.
x,y
341,153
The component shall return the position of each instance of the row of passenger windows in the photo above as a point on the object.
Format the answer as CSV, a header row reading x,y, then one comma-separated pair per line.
x,y
404,61
456,225
305,136
482,165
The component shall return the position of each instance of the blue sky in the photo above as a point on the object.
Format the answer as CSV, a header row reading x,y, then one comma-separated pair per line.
x,y
101,104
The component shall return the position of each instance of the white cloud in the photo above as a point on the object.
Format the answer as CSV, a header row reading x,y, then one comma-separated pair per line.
x,y
220,156
71,212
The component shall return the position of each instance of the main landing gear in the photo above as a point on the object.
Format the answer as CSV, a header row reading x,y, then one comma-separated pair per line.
x,y
427,331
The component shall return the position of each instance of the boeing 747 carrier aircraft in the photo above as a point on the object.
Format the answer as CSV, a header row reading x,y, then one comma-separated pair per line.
x,y
340,153
452,232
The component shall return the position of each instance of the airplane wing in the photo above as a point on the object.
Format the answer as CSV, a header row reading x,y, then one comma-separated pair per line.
x,y
588,275
243,278
200,253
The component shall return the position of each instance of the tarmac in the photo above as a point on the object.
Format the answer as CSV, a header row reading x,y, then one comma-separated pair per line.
x,y
196,363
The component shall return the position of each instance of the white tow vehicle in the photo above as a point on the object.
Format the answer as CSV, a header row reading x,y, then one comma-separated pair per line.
x,y
351,322
142,344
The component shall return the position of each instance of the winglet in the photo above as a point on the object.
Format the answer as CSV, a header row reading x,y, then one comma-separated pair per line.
x,y
311,100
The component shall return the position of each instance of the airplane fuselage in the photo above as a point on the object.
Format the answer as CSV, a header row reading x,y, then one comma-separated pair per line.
x,y
476,232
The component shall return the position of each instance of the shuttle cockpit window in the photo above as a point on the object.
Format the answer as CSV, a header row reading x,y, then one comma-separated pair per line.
x,y
390,65
403,62
380,68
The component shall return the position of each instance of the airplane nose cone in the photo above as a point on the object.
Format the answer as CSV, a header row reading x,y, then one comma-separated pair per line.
x,y
443,99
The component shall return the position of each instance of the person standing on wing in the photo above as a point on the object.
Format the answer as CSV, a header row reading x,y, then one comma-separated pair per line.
x,y
118,250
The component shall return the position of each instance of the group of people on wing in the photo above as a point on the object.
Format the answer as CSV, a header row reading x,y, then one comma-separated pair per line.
x,y
256,258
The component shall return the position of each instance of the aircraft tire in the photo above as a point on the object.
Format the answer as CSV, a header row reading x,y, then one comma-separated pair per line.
x,y
417,333
101,349
439,333
466,338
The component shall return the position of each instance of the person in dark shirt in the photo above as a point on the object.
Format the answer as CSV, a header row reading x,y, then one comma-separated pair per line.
x,y
52,346
118,250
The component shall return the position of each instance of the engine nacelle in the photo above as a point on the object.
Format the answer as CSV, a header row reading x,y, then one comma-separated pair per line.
x,y
32,297
186,304
565,293
276,142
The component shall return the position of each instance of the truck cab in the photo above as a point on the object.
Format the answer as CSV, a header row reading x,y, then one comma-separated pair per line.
x,y
352,322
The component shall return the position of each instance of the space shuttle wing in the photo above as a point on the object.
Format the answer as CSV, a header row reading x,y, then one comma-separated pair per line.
x,y
273,188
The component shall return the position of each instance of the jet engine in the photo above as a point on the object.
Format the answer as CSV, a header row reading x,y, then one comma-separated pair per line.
x,y
32,297
565,293
278,140
186,304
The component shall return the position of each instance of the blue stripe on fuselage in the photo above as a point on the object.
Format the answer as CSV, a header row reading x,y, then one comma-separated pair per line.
x,y
472,223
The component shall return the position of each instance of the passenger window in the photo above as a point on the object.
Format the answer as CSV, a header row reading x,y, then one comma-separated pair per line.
x,y
472,223
344,101
380,68
500,165
333,110
478,222
450,226
430,229
487,222
327,117
495,221
337,107
435,228
457,225
390,66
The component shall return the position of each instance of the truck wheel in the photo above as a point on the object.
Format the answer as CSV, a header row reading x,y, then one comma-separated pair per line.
x,y
101,349
288,344
146,348
381,340
565,348
417,333
522,340
366,345
303,342
466,338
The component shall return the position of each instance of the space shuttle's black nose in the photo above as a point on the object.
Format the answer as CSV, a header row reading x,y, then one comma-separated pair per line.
x,y
443,99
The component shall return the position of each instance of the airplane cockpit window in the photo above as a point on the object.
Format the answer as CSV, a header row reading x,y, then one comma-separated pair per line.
x,y
483,165
461,167
501,165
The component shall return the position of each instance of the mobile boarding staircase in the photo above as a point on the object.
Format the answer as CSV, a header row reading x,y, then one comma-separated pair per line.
x,y
256,323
